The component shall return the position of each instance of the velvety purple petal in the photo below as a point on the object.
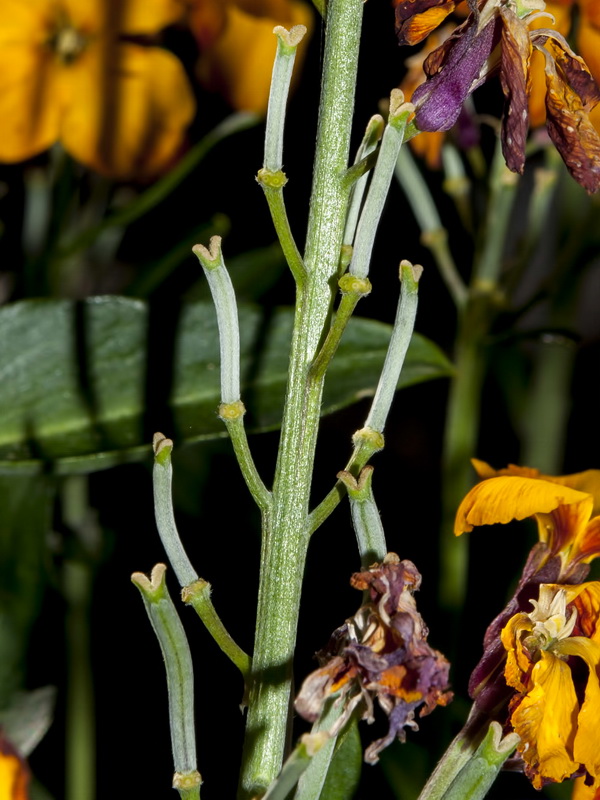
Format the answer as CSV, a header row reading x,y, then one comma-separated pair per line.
x,y
439,100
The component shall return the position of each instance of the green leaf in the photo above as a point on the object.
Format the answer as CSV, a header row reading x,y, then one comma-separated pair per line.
x,y
83,386
343,774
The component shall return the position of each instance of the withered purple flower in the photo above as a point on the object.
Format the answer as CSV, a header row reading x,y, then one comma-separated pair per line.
x,y
380,653
496,38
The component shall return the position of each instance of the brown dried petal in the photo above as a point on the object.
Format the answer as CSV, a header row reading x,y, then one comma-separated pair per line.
x,y
514,76
575,72
570,129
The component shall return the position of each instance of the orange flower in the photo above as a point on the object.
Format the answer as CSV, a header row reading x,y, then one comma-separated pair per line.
x,y
565,508
70,72
553,657
14,775
238,46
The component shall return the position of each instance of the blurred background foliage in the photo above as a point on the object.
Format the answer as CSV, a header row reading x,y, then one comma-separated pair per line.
x,y
138,133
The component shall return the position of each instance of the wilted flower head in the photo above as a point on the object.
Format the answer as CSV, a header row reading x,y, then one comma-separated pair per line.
x,y
565,509
496,38
553,658
380,653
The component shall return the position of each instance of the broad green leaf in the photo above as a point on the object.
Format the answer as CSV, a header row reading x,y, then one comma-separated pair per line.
x,y
83,386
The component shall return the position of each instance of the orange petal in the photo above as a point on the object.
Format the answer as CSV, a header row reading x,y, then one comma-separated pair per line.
x,y
509,497
585,748
585,598
583,792
565,526
545,721
417,28
128,107
518,662
30,102
240,63
148,16
14,775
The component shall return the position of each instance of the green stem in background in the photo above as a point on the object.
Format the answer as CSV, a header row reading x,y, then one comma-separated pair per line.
x,y
464,401
78,578
180,678
471,764
457,184
391,142
365,516
369,439
197,595
372,135
146,201
544,423
433,234
286,530
80,722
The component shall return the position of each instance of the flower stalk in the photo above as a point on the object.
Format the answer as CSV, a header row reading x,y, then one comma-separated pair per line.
x,y
286,530
365,516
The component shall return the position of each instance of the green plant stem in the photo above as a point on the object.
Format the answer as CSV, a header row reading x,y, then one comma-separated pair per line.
x,y
464,402
433,233
275,201
352,290
197,595
239,440
369,531
81,739
286,531
471,764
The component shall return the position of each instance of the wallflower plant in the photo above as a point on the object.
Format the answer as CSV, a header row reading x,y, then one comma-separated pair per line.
x,y
536,688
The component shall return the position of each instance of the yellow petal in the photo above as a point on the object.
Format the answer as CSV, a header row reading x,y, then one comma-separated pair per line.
x,y
148,16
14,776
128,107
545,719
518,662
240,62
30,101
585,599
585,748
583,792
508,497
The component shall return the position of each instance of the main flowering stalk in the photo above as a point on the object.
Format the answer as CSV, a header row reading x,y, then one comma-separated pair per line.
x,y
286,529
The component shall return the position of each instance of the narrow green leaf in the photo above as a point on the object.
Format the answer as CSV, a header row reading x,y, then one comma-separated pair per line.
x,y
344,771
83,386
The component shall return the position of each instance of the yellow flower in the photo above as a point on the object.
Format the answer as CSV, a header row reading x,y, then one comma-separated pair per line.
x,y
238,46
70,71
14,775
564,507
553,658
